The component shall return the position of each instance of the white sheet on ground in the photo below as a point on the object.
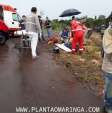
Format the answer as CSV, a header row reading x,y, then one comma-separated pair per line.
x,y
63,47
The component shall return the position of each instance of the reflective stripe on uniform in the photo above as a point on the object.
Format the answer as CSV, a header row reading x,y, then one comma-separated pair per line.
x,y
81,49
78,30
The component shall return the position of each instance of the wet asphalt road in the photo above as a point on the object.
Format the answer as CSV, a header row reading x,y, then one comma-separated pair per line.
x,y
24,82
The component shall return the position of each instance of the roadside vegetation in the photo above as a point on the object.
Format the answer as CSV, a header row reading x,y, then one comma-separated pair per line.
x,y
86,68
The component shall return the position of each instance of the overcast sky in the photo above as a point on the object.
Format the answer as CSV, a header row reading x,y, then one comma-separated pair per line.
x,y
53,8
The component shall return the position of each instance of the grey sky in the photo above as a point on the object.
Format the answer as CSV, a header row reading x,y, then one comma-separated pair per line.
x,y
53,8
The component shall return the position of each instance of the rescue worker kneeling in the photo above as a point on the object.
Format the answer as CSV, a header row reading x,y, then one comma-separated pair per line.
x,y
33,29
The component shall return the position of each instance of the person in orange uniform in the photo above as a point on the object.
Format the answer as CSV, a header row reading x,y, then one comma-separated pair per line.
x,y
77,34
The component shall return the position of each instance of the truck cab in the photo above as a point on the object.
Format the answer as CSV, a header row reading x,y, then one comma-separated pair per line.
x,y
9,22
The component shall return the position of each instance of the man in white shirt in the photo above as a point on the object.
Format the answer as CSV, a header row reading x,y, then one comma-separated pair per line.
x,y
33,28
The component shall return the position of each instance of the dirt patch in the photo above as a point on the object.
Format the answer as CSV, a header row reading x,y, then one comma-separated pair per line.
x,y
86,68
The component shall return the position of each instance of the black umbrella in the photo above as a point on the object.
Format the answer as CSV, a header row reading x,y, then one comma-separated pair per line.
x,y
70,12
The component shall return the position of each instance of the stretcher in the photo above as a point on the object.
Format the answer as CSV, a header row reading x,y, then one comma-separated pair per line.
x,y
25,40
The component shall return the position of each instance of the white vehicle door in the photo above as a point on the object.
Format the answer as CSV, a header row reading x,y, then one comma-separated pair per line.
x,y
11,20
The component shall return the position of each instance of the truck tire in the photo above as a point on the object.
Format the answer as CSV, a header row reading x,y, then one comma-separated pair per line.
x,y
3,38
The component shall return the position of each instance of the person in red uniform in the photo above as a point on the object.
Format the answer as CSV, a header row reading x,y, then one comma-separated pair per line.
x,y
77,34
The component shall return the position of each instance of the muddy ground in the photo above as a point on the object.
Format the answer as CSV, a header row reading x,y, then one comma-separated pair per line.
x,y
42,82
86,67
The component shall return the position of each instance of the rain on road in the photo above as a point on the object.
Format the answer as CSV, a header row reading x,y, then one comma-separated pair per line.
x,y
24,82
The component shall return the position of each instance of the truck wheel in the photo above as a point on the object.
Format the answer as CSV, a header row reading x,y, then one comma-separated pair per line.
x,y
2,38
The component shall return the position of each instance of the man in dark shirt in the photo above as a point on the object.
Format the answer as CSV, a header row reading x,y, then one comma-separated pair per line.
x,y
41,25
23,22
48,27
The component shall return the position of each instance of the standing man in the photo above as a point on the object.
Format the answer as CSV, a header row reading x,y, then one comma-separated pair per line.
x,y
23,22
42,29
107,68
48,27
33,28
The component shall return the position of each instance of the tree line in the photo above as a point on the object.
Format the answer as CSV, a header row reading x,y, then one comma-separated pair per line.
x,y
90,22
